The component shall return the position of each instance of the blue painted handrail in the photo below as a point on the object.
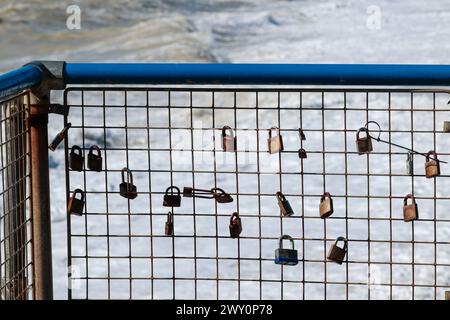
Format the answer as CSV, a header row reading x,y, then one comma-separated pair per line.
x,y
232,74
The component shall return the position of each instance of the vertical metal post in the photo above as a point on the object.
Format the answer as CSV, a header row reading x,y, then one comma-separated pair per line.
x,y
15,215
40,192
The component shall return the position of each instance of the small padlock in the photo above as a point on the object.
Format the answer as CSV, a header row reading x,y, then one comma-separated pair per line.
x,y
337,254
172,200
364,144
95,161
301,134
326,205
229,141
446,126
221,196
302,153
127,188
432,167
410,211
168,230
285,206
410,164
59,137
286,256
235,225
75,205
76,158
447,295
275,142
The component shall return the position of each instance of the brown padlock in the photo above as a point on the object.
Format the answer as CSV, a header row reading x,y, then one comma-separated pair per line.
x,y
127,189
285,206
410,211
364,144
447,295
337,254
235,225
95,160
75,205
446,126
301,134
76,158
168,230
326,205
302,153
275,142
229,141
432,167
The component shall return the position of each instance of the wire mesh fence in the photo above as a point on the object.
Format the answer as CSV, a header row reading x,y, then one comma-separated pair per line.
x,y
16,254
129,238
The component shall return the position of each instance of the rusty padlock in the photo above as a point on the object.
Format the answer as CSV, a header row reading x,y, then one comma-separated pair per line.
x,y
410,211
432,167
172,200
235,225
302,153
75,205
127,188
95,161
336,253
229,141
275,142
326,205
76,158
168,230
363,144
285,206
446,126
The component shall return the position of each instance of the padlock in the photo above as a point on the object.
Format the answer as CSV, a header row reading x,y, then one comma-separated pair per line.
x,y
76,158
275,142
235,225
337,254
285,206
59,137
172,200
127,188
95,161
168,230
229,142
75,205
364,144
446,126
447,295
221,196
410,211
326,205
286,256
302,153
302,134
410,164
432,167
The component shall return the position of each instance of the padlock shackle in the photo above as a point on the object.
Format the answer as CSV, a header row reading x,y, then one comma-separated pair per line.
x,y
286,237
273,128
345,242
96,148
129,175
80,192
75,147
171,188
280,196
224,131
429,153
234,218
363,129
324,196
408,196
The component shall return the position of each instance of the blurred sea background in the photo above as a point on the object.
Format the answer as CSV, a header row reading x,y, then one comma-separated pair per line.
x,y
254,31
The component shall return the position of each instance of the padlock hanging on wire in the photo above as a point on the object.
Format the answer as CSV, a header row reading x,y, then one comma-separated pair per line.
x,y
59,137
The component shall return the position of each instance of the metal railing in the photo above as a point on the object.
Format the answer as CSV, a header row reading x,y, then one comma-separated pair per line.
x,y
123,243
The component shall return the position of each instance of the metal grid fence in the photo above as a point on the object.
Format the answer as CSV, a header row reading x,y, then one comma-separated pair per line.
x,y
16,273
118,248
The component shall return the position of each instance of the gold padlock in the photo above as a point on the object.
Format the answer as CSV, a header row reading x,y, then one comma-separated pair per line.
x,y
326,205
447,295
229,141
275,142
410,211
432,167
446,126
363,144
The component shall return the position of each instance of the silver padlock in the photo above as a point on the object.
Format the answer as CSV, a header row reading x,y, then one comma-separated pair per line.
x,y
275,142
410,163
286,256
229,141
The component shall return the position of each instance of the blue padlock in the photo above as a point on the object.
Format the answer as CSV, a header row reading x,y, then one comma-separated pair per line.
x,y
286,256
